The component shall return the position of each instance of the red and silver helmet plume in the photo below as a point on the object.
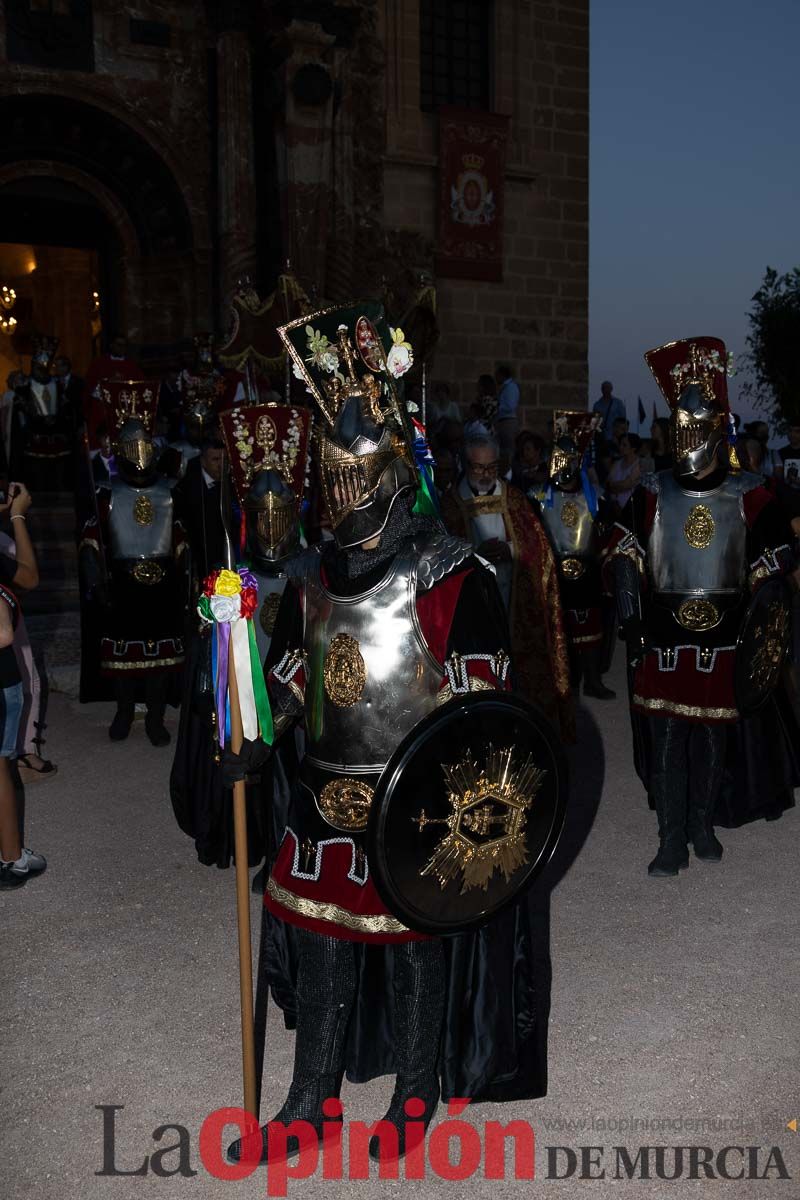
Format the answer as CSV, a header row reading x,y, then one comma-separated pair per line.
x,y
130,415
267,446
693,377
350,361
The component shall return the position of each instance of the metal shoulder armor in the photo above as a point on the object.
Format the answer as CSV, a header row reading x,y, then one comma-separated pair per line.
x,y
440,555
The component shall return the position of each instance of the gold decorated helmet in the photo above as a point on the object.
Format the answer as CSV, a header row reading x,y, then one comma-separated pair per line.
x,y
350,361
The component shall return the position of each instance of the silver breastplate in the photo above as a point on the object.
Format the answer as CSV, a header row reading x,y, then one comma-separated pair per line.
x,y
140,521
270,590
371,677
569,524
698,540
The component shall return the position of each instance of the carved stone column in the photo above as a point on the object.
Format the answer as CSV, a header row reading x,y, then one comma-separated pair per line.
x,y
235,178
308,138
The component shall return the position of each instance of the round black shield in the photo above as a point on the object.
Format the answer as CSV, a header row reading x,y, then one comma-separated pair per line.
x,y
761,646
467,812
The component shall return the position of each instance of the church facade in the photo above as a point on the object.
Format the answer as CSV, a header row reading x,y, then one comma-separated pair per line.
x,y
193,144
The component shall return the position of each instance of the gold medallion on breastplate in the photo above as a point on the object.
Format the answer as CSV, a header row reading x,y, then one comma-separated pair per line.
x,y
699,527
345,803
269,612
570,513
698,614
143,510
344,672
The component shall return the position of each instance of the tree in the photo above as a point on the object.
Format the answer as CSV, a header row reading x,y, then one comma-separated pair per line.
x,y
773,356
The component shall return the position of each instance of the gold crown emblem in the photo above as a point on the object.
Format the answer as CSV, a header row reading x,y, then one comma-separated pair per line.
x,y
473,162
130,400
699,370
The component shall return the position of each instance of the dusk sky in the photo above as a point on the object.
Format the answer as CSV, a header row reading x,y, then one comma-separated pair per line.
x,y
695,176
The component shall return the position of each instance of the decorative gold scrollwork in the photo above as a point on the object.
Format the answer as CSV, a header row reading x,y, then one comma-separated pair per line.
x,y
148,572
269,612
771,636
572,568
698,614
143,511
346,802
344,672
570,514
699,527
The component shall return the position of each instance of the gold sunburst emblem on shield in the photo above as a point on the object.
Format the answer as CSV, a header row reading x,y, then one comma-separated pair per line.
x,y
698,528
486,826
771,636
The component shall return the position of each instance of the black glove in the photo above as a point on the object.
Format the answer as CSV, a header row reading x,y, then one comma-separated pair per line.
x,y
247,764
636,639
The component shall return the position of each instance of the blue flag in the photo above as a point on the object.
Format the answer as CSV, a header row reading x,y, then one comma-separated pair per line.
x,y
642,413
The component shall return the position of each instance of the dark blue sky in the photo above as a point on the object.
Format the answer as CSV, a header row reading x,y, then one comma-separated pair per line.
x,y
695,175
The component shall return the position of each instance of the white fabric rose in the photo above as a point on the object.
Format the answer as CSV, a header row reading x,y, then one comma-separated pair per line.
x,y
225,608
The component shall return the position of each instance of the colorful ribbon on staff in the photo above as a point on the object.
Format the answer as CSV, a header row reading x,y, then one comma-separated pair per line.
x,y
426,502
228,603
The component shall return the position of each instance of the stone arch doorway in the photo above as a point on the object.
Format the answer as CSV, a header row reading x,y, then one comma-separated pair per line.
x,y
75,175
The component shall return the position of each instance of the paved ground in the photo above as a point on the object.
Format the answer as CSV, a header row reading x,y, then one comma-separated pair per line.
x,y
673,1001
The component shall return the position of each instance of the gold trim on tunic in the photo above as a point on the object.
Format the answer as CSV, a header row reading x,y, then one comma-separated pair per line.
x,y
325,910
686,710
110,665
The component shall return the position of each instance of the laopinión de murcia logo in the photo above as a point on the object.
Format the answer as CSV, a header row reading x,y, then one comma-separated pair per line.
x,y
453,1149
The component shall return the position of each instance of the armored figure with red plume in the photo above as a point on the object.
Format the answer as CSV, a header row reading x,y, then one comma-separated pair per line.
x,y
698,559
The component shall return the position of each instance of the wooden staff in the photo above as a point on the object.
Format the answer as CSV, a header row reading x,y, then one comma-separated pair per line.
x,y
243,901
240,843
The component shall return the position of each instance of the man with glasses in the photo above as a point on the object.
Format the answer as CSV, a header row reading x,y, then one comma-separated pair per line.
x,y
506,532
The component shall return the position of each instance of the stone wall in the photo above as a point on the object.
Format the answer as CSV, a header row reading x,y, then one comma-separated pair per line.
x,y
536,319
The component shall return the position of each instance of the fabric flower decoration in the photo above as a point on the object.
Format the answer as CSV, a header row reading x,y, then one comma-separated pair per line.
x,y
248,602
400,358
229,583
225,608
210,583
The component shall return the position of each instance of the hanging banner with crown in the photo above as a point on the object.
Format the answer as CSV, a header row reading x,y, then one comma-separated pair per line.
x,y
472,159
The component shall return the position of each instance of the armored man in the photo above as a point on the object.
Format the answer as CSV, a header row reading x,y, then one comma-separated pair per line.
x,y
133,560
692,546
267,451
570,514
392,618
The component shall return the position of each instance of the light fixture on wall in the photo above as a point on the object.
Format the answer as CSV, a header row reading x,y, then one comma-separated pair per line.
x,y
8,297
8,324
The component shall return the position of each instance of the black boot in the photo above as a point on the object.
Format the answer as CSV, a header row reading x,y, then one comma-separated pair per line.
x,y
418,985
155,697
120,727
673,854
326,984
126,707
592,679
708,761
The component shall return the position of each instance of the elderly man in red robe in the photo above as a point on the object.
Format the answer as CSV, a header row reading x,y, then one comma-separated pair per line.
x,y
504,529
